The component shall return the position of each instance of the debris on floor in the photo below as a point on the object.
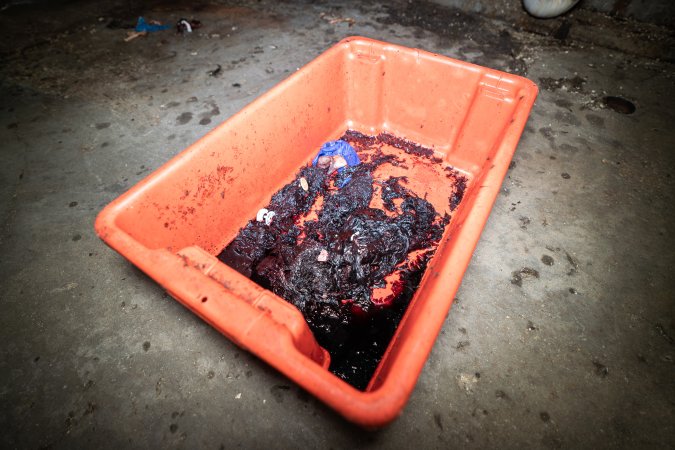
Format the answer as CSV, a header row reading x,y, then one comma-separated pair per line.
x,y
150,27
131,35
141,29
187,26
215,72
333,20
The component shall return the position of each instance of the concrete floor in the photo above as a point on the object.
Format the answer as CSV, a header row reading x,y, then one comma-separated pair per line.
x,y
95,354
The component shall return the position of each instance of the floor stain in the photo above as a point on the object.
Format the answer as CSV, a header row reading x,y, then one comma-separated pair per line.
x,y
206,116
524,222
548,133
438,421
501,395
518,276
184,118
663,333
595,120
277,392
601,370
619,104
573,262
461,345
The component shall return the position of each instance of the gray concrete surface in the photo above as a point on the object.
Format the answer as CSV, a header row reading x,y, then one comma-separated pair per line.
x,y
94,354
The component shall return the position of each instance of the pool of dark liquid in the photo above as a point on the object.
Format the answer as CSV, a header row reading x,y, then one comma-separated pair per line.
x,y
350,258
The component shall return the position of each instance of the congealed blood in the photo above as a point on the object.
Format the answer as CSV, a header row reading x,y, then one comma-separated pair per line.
x,y
369,251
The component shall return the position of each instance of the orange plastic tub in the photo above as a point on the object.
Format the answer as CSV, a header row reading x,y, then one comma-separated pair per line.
x,y
173,223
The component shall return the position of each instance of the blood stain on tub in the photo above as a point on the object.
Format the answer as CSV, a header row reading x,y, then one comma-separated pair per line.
x,y
209,184
351,258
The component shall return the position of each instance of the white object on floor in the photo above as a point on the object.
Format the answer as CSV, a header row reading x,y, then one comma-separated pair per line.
x,y
547,9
